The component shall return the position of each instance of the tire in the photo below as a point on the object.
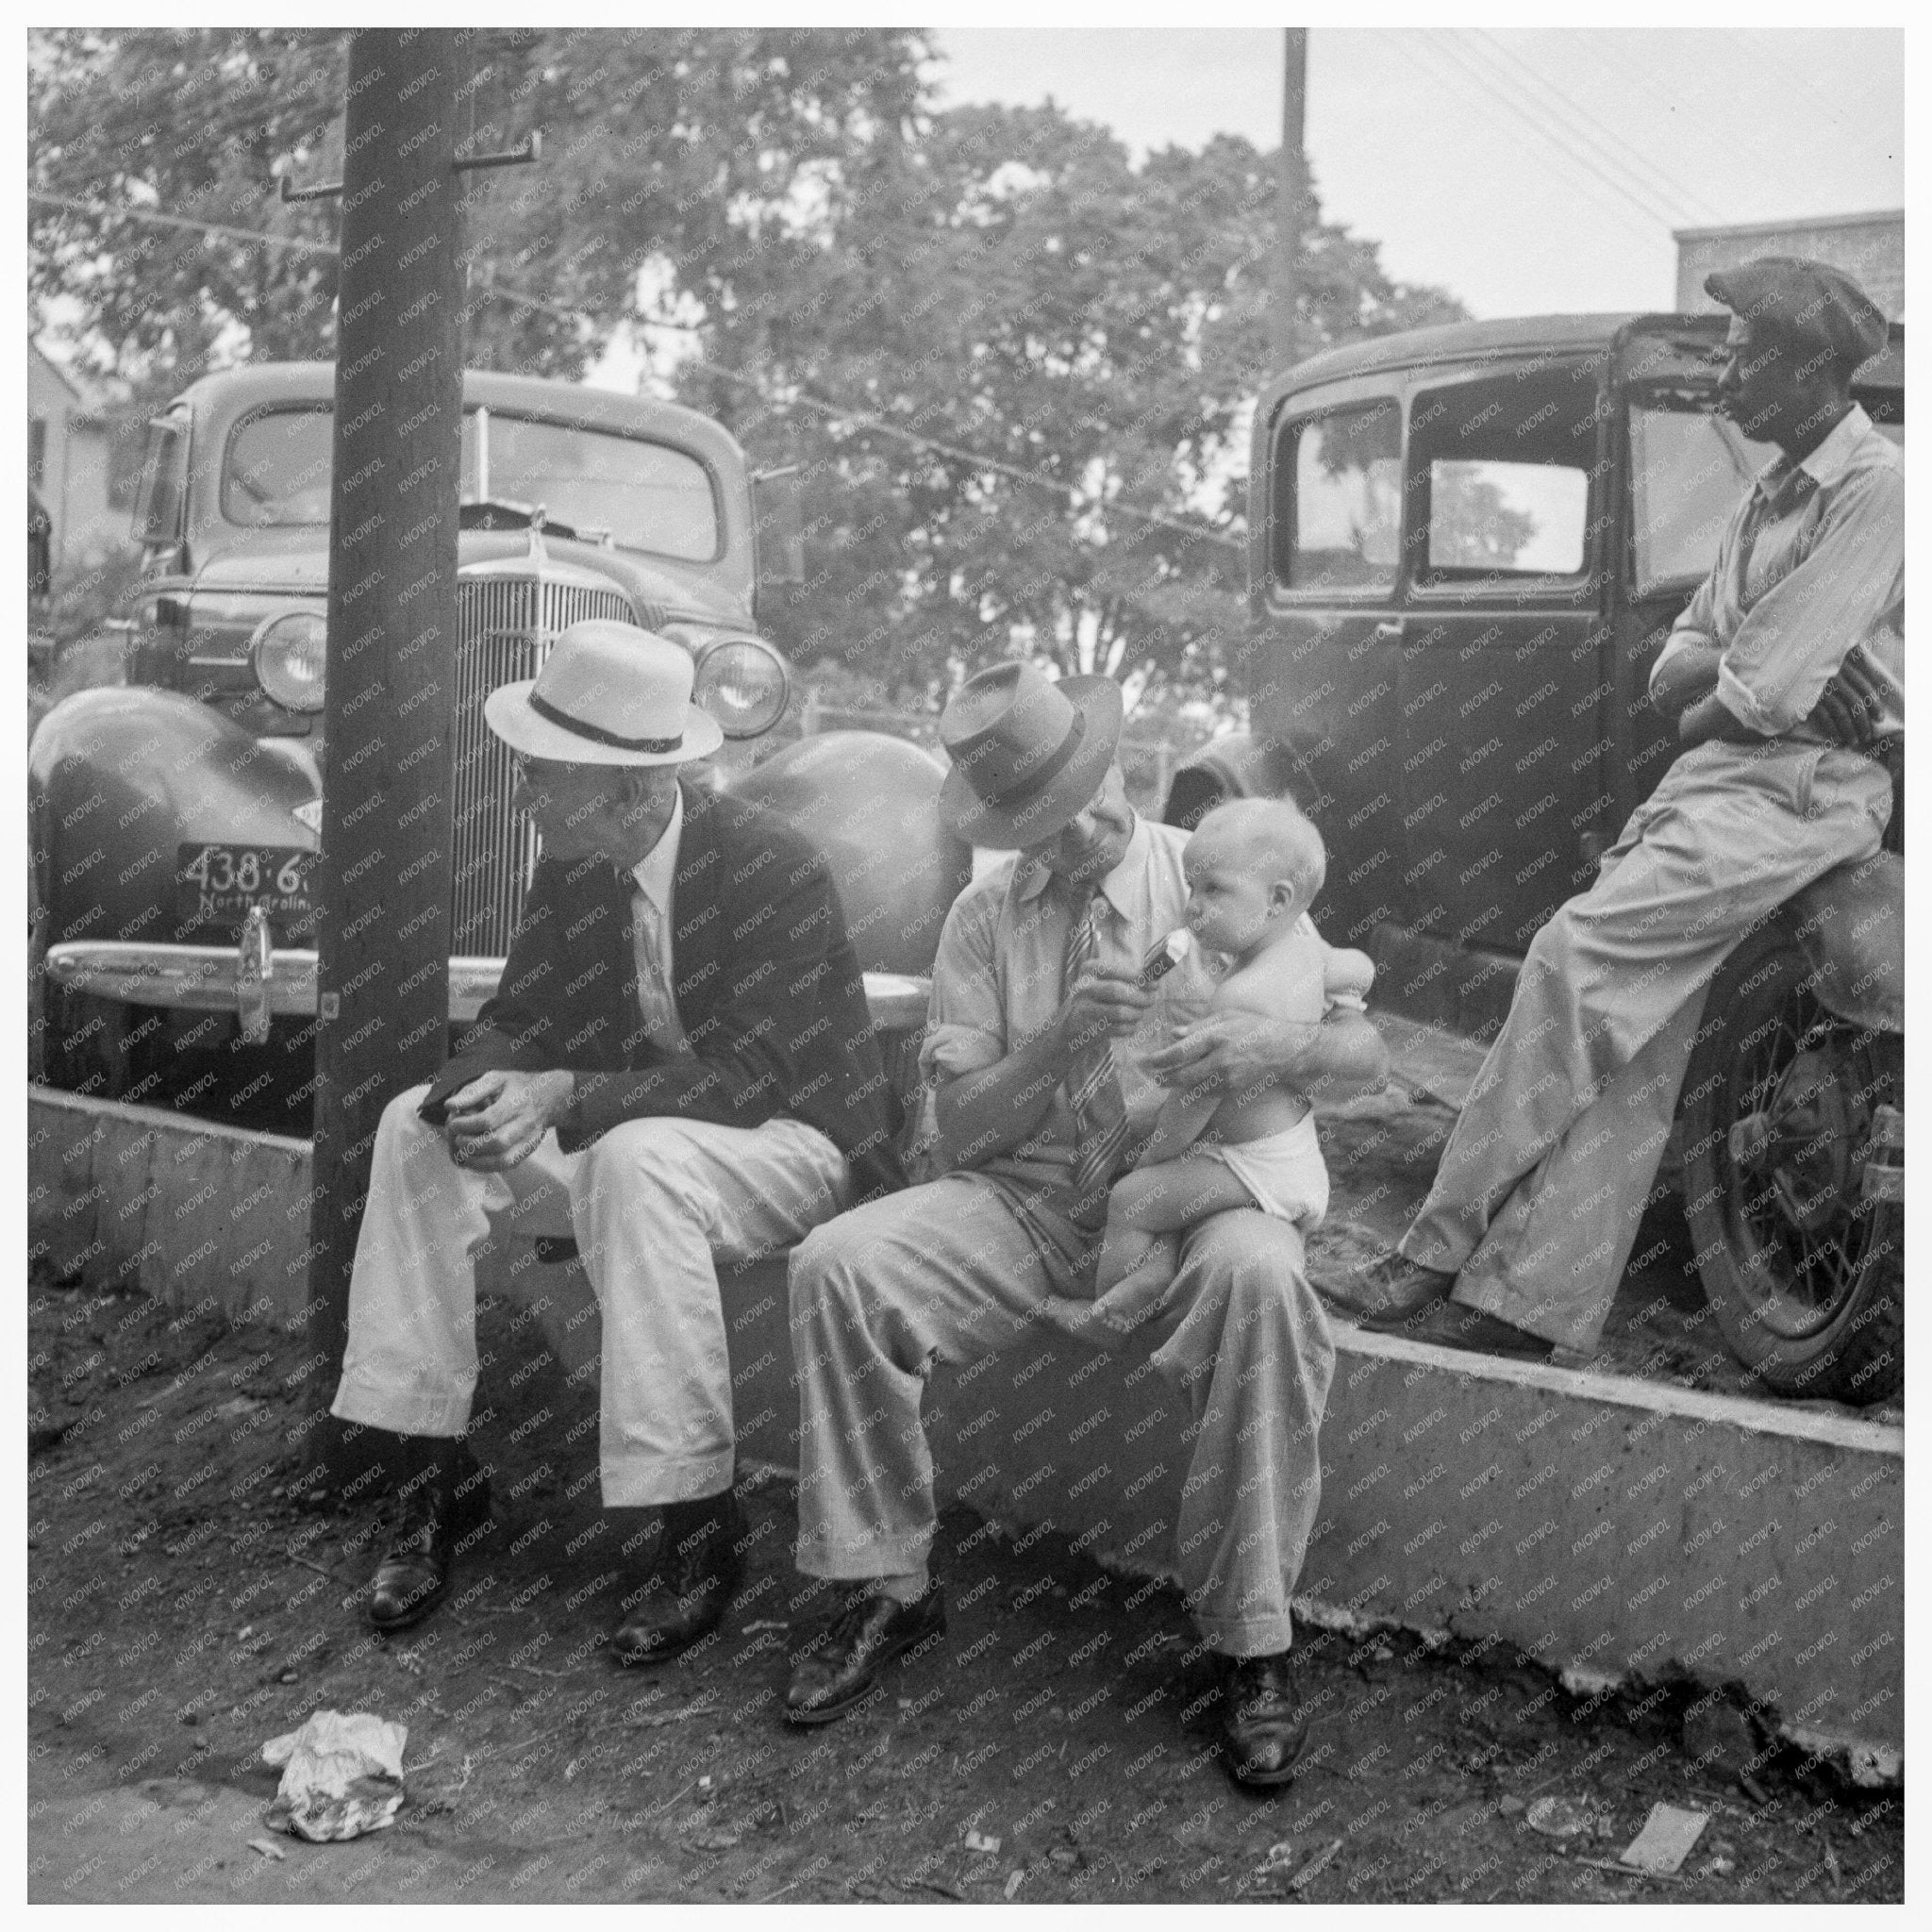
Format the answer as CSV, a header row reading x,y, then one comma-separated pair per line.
x,y
1804,1277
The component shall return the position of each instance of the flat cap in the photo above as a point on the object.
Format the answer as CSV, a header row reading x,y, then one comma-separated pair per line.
x,y
1810,305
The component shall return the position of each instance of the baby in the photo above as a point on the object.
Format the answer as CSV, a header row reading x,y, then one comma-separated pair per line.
x,y
1252,869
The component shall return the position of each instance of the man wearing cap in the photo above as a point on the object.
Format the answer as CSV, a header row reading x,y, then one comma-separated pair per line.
x,y
1047,1053
678,1070
1785,676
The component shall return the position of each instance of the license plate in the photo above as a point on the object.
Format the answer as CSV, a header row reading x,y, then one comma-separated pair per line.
x,y
217,884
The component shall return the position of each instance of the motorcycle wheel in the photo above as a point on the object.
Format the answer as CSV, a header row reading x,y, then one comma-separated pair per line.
x,y
1803,1274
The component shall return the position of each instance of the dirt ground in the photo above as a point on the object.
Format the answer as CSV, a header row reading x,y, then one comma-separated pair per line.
x,y
188,1601
190,1597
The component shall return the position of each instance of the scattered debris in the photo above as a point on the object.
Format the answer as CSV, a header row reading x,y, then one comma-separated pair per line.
x,y
704,1706
268,1848
1280,1856
980,1841
1316,1865
1557,1817
759,1624
1630,1871
1666,1839
1718,1737
341,1777
719,1841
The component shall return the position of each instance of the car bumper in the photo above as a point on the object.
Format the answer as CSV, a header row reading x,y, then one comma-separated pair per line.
x,y
225,979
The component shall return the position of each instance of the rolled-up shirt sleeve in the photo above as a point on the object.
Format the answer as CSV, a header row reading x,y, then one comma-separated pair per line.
x,y
1697,623
1850,585
965,1025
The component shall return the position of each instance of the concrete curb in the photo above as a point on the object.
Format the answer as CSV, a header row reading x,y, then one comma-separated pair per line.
x,y
1621,1532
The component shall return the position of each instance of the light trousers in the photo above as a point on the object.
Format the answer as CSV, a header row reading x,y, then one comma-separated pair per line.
x,y
1541,1186
946,1272
655,1206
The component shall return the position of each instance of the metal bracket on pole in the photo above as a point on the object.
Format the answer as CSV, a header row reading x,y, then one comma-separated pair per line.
x,y
321,191
532,150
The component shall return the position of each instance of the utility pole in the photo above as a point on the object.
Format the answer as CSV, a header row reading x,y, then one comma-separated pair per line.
x,y
1291,175
384,874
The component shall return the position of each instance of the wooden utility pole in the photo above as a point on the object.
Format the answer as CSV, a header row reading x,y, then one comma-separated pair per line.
x,y
384,874
1291,173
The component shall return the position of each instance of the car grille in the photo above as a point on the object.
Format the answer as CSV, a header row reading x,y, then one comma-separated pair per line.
x,y
505,625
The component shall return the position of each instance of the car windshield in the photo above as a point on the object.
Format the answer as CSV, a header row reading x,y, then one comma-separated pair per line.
x,y
647,495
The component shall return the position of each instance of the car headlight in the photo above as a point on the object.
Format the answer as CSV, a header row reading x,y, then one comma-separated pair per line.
x,y
743,684
289,659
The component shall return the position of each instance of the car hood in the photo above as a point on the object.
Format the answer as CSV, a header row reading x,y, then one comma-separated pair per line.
x,y
663,592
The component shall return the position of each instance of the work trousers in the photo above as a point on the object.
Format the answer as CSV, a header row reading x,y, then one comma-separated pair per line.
x,y
945,1271
1541,1189
654,1204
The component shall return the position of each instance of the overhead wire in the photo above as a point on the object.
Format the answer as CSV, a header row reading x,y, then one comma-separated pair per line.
x,y
1500,89
1441,74
1616,150
800,398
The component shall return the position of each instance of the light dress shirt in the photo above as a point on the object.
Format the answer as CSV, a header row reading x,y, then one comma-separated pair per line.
x,y
654,876
1809,570
996,981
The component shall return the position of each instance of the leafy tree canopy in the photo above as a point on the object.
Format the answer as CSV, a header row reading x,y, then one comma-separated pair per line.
x,y
1015,371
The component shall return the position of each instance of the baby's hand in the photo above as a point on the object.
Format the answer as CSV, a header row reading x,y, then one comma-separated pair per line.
x,y
1348,974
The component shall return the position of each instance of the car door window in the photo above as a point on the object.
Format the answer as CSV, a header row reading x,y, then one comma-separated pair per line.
x,y
1502,468
1339,525
1689,470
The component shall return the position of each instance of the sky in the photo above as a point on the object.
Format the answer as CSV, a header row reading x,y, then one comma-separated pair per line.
x,y
1524,171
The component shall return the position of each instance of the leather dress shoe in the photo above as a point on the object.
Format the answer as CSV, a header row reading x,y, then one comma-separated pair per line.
x,y
1395,1288
841,1666
1263,1725
685,1597
444,1497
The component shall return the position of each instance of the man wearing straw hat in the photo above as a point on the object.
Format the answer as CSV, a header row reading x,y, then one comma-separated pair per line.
x,y
678,1070
1047,1053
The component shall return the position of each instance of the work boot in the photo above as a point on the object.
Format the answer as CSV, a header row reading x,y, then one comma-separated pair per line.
x,y
700,1560
443,1497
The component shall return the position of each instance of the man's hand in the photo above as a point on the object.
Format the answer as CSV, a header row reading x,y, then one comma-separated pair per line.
x,y
497,1120
1103,1004
1232,1050
1849,703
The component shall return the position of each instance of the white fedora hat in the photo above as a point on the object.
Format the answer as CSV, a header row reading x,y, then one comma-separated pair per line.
x,y
609,694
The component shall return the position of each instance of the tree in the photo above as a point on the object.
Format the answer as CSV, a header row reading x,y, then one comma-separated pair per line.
x,y
668,150
1079,344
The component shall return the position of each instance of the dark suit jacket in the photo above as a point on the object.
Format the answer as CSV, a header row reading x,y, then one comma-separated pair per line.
x,y
768,987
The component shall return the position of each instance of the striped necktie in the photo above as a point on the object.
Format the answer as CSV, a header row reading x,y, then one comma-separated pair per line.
x,y
656,1001
1092,1084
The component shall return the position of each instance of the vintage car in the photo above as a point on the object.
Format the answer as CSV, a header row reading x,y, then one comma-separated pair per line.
x,y
175,818
1467,544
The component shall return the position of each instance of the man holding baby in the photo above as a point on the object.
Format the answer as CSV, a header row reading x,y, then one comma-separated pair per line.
x,y
1055,1056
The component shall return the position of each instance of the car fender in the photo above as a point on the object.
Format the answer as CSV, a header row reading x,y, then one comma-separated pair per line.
x,y
117,778
870,804
1851,925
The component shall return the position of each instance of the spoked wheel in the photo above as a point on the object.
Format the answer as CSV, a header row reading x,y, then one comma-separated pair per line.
x,y
1786,1109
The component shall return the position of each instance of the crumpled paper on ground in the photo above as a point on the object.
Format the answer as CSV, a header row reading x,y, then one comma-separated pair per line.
x,y
341,1777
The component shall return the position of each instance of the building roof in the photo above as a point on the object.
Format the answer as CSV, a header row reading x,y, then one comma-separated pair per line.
x,y
1730,230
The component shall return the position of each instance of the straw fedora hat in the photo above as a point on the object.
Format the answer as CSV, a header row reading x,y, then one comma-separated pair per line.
x,y
609,694
1028,753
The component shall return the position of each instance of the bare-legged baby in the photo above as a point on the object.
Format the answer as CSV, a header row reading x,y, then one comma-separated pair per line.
x,y
1252,869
